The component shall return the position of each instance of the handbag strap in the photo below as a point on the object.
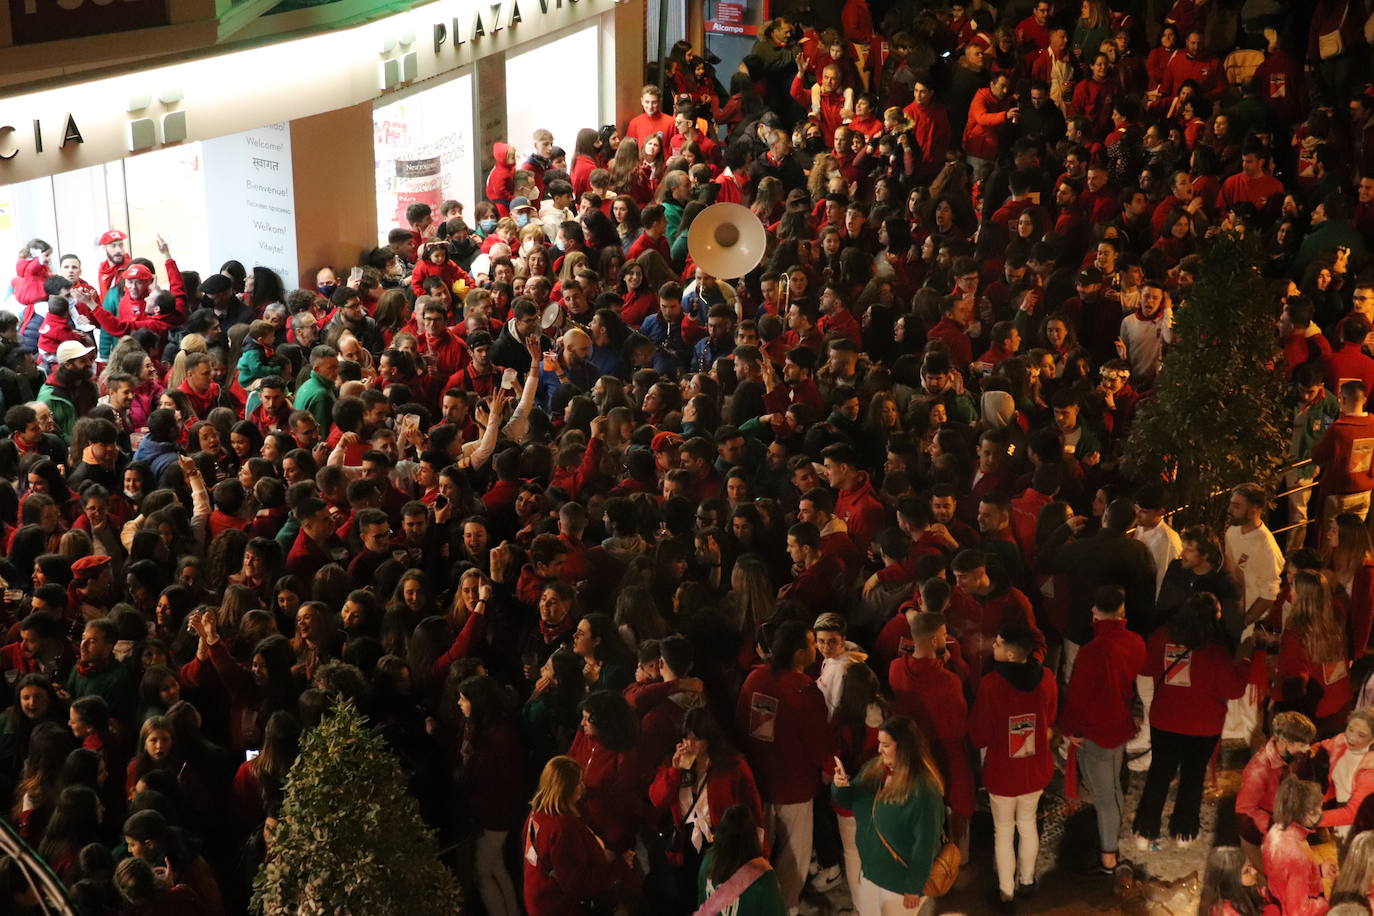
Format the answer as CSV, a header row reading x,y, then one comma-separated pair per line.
x,y
734,887
1172,665
873,819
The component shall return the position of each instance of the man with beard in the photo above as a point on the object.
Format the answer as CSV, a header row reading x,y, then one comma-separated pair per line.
x,y
70,390
115,245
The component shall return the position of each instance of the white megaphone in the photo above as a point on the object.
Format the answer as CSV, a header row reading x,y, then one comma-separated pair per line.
x,y
727,241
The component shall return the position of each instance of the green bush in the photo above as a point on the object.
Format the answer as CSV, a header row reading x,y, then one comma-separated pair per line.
x,y
1216,418
350,841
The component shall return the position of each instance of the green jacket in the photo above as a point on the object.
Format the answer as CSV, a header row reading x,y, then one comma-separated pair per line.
x,y
1329,236
63,410
254,364
114,681
762,898
672,210
1309,425
316,395
911,830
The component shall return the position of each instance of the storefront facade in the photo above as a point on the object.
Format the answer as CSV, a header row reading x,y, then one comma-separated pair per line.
x,y
273,155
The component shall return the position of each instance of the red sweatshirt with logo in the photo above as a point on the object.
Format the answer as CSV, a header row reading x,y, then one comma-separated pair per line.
x,y
1012,715
787,739
1191,698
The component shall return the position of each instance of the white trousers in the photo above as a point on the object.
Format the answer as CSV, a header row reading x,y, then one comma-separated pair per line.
x,y
1012,814
789,830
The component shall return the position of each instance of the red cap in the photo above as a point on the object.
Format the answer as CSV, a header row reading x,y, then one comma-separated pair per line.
x,y
664,441
138,272
89,567
114,235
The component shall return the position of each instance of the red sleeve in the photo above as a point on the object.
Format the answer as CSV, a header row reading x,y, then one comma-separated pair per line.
x,y
643,697
663,791
980,729
1362,787
473,631
799,93
178,289
578,862
235,676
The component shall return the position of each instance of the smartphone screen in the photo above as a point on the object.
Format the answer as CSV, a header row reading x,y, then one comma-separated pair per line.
x,y
249,755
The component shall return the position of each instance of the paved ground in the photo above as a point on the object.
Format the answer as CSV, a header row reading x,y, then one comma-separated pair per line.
x,y
1166,881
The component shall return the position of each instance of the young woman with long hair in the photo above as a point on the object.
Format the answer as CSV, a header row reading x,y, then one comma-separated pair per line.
x,y
565,862
702,779
75,822
899,813
1230,885
552,715
1191,661
1355,881
265,773
607,749
1351,772
735,876
1313,670
1350,564
36,793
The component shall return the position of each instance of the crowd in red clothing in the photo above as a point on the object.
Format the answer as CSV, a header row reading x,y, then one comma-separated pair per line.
x,y
543,496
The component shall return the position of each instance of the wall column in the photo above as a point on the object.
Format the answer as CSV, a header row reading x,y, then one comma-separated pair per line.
x,y
336,201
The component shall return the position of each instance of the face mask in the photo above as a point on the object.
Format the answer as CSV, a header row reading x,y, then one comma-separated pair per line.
x,y
488,226
558,243
527,246
131,495
327,289
522,220
814,145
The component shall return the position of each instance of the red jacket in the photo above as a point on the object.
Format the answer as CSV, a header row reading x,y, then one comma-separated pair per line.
x,y
1361,785
582,169
987,121
1012,715
1297,671
1294,872
1258,191
1348,362
974,620
450,352
861,511
564,864
1191,699
425,268
1102,689
1345,454
842,323
783,719
29,275
931,127
615,783
728,782
55,331
1259,781
956,340
1092,100
1299,348
1206,71
933,696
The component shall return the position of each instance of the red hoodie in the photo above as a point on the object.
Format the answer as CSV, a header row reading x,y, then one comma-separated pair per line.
x,y
862,512
501,178
1259,783
1102,689
783,718
54,331
1191,698
1012,715
933,696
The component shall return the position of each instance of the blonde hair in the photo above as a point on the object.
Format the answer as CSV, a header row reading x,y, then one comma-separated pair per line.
x,y
913,765
459,611
191,343
557,792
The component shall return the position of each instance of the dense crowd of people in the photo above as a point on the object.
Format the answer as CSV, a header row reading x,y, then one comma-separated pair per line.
x,y
676,593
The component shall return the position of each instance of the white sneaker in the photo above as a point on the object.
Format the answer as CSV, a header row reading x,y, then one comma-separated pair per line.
x,y
1143,843
826,879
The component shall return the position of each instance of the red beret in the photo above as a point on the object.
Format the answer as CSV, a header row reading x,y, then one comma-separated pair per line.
x,y
89,567
138,272
664,441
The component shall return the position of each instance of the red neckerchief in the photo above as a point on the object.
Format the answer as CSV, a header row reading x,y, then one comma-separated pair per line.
x,y
552,631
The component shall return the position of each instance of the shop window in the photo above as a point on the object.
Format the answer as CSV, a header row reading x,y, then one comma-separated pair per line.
x,y
556,86
423,144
